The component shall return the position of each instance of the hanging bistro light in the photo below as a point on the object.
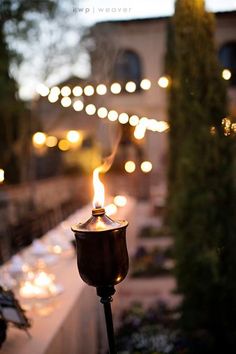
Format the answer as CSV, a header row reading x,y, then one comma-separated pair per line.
x,y
102,255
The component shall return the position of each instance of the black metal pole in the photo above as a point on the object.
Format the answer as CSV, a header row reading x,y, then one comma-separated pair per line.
x,y
106,298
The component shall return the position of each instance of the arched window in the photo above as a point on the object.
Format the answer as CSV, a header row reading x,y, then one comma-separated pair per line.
x,y
127,67
227,55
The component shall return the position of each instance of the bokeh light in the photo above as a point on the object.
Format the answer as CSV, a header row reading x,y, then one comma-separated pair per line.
x,y
130,166
146,166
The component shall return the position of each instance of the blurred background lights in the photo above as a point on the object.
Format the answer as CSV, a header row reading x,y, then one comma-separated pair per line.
x,y
78,105
73,136
102,112
163,82
89,90
64,145
77,91
90,109
66,101
139,132
120,200
42,90
123,118
130,166
226,74
130,86
101,89
111,209
116,88
2,175
51,141
146,166
39,139
134,120
55,91
113,115
65,91
52,98
145,84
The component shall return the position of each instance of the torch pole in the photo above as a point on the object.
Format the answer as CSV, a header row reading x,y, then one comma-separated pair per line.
x,y
106,298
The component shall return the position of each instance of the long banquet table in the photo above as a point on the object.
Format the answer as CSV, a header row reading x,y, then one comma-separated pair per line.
x,y
72,322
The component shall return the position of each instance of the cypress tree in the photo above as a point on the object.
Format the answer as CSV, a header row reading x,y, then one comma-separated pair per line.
x,y
201,190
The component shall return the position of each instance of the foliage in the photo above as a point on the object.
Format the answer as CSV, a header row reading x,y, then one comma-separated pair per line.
x,y
201,190
14,119
157,262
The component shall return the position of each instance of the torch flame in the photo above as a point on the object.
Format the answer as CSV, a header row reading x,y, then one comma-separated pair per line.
x,y
99,190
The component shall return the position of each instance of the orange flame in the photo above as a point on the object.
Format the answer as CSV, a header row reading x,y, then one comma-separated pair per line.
x,y
99,190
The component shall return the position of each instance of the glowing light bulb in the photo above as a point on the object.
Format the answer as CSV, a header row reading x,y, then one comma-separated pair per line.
x,y
64,145
90,109
113,116
66,101
52,98
89,90
78,105
42,89
123,118
130,166
102,112
115,88
226,74
77,91
55,91
51,141
101,89
145,84
130,86
65,91
73,136
39,139
146,166
2,175
134,120
120,200
163,82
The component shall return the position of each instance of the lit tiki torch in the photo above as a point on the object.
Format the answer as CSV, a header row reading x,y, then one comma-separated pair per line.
x,y
102,256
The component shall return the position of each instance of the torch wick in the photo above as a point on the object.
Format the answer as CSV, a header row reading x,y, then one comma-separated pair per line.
x,y
98,211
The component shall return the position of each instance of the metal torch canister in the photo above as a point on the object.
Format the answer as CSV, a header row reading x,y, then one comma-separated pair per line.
x,y
102,255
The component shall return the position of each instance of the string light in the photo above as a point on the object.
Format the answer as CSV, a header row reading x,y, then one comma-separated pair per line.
x,y
64,145
112,116
163,82
130,87
65,91
226,74
116,88
101,89
66,101
146,166
130,166
55,91
102,112
89,90
134,120
52,98
77,91
42,90
90,109
123,118
145,84
39,139
139,132
73,136
51,141
78,105
2,175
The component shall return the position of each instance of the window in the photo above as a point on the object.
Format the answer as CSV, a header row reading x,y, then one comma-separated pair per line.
x,y
127,67
227,57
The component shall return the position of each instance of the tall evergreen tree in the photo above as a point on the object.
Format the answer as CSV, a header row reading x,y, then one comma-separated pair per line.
x,y
201,191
